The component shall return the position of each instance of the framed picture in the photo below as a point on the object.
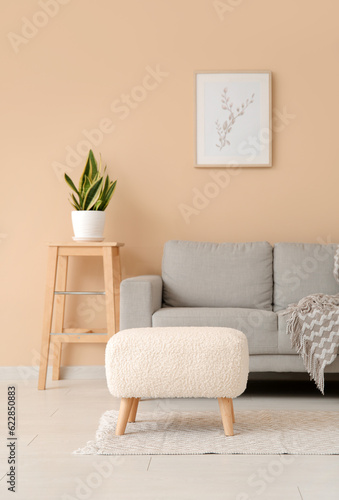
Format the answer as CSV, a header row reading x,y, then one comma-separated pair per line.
x,y
233,119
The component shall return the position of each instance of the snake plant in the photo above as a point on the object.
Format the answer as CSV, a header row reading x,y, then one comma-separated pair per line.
x,y
95,191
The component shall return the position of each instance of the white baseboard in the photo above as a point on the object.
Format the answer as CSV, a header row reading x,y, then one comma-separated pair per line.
x,y
66,372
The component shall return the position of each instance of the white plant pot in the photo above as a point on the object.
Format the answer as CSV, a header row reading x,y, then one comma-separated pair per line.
x,y
88,224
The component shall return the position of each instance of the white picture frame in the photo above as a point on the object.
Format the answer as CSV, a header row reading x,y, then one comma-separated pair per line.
x,y
233,119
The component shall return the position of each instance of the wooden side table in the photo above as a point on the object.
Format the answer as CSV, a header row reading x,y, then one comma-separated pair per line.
x,y
56,293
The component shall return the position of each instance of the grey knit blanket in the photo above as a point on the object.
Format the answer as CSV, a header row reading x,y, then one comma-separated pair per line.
x,y
313,326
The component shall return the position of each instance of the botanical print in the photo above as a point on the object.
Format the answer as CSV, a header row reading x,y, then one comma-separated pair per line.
x,y
233,124
225,129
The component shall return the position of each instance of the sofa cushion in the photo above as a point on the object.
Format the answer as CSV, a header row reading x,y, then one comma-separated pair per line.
x,y
217,274
259,326
301,269
286,363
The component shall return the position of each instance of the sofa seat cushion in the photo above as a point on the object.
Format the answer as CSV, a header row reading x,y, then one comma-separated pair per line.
x,y
217,274
259,326
301,269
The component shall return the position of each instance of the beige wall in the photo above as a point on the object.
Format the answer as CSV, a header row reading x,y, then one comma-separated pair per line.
x,y
64,79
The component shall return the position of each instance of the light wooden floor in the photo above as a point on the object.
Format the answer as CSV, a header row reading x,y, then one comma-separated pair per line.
x,y
52,423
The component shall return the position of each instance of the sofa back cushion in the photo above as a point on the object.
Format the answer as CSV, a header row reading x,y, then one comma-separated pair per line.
x,y
301,269
217,274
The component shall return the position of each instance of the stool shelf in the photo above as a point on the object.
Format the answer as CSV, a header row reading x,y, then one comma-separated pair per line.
x,y
74,333
79,293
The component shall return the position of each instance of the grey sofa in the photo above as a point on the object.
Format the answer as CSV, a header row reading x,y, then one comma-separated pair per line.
x,y
238,285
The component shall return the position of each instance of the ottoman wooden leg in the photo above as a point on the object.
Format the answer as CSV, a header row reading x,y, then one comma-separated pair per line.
x,y
124,411
233,417
225,405
134,409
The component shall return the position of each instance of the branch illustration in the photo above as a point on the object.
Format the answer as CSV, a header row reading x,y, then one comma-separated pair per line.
x,y
225,129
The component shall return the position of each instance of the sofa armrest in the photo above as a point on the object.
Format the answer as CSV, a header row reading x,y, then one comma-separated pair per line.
x,y
140,297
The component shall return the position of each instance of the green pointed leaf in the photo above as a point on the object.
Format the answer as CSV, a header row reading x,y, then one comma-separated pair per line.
x,y
86,172
93,165
92,195
108,196
75,202
71,183
99,170
86,185
73,205
95,178
104,189
81,201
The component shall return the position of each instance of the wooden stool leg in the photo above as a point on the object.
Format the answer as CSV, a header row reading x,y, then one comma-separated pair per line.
x,y
48,313
56,360
109,290
225,405
134,409
233,417
124,411
117,281
59,312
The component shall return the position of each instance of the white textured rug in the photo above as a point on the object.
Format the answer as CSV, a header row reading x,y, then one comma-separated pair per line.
x,y
265,432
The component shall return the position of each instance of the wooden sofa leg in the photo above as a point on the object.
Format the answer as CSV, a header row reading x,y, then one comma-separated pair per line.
x,y
124,411
134,409
225,405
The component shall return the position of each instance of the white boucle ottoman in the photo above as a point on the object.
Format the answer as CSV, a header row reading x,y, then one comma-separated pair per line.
x,y
176,362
